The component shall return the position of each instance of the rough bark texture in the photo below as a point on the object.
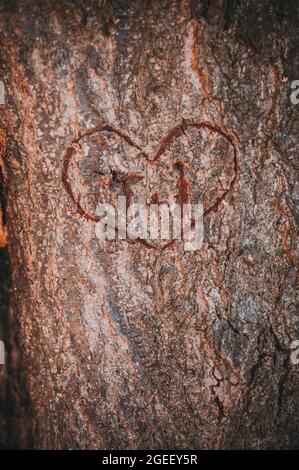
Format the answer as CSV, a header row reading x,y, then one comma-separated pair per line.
x,y
126,345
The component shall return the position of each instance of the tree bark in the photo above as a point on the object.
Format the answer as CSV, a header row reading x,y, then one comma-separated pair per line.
x,y
121,345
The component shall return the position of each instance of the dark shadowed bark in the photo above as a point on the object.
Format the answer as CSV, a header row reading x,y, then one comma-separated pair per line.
x,y
140,345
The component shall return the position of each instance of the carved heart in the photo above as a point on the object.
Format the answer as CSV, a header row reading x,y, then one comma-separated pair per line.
x,y
195,162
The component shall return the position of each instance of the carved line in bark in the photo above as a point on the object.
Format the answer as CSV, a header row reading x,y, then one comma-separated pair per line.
x,y
183,183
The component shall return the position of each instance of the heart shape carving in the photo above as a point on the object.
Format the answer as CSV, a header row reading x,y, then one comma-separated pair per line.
x,y
195,162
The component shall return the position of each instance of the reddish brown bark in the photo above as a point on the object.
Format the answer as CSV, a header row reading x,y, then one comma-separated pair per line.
x,y
112,344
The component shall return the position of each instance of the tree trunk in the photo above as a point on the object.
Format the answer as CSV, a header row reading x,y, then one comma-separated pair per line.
x,y
118,344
